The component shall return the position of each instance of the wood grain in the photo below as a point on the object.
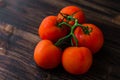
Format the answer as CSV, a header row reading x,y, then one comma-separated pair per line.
x,y
19,22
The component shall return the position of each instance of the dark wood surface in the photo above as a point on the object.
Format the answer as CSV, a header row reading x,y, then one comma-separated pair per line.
x,y
19,22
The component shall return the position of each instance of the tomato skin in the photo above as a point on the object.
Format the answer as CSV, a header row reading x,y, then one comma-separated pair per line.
x,y
48,29
77,60
46,55
69,10
93,41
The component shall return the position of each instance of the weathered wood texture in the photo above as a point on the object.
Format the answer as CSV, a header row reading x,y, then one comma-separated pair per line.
x,y
19,22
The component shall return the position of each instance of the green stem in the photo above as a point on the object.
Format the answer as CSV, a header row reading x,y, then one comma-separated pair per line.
x,y
75,39
72,28
71,34
61,40
64,23
70,18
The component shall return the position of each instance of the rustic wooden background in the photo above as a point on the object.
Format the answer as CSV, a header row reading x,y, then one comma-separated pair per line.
x,y
19,22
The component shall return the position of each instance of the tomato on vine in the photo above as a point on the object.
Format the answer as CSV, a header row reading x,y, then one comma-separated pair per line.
x,y
85,35
48,29
73,11
85,40
47,55
92,37
77,60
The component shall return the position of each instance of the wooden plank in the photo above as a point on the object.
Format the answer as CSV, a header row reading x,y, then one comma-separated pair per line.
x,y
19,22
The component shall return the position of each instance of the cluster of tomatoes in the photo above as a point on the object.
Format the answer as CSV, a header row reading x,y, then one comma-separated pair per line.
x,y
69,27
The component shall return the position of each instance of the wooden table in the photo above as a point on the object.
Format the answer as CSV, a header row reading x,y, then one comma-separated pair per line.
x,y
19,22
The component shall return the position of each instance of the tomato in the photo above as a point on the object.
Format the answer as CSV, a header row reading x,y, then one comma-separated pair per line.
x,y
77,60
46,55
72,10
92,40
48,29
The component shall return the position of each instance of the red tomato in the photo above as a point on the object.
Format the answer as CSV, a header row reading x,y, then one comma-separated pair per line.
x,y
77,60
72,10
49,29
46,55
94,40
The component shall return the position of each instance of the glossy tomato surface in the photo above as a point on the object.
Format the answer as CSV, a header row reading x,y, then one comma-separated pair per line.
x,y
48,29
77,60
74,11
46,55
94,40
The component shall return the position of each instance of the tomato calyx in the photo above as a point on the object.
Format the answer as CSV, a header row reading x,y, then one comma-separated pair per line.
x,y
87,30
68,18
71,35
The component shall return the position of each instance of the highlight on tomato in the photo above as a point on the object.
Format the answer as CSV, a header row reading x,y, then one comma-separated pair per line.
x,y
90,36
73,11
77,60
48,29
47,55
